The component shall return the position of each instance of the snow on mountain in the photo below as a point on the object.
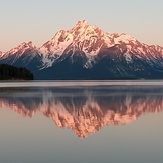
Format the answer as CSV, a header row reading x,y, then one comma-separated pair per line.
x,y
91,41
1,54
88,39
124,38
22,47
52,49
24,55
86,47
82,37
19,50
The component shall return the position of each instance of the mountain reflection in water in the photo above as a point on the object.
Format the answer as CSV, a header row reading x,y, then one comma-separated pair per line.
x,y
85,109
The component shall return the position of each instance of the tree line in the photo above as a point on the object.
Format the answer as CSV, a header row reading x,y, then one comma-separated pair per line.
x,y
8,72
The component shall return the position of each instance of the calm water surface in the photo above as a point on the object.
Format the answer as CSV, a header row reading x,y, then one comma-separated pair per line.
x,y
76,122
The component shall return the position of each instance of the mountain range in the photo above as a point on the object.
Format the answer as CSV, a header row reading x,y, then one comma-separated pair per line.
x,y
87,52
84,110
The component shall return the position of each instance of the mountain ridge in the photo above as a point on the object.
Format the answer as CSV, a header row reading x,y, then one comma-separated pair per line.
x,y
91,52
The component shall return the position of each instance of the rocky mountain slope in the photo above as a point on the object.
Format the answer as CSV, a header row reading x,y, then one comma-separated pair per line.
x,y
87,52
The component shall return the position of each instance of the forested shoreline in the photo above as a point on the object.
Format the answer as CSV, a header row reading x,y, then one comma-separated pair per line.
x,y
8,72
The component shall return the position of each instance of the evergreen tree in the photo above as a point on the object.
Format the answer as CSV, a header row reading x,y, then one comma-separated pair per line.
x,y
8,72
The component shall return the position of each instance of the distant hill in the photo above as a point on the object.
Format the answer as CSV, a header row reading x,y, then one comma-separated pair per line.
x,y
8,72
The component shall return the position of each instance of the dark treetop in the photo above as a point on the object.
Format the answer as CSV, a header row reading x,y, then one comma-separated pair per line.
x,y
8,72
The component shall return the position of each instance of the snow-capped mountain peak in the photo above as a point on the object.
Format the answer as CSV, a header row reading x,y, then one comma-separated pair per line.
x,y
81,24
88,49
84,26
22,47
30,44
14,54
19,50
76,37
82,37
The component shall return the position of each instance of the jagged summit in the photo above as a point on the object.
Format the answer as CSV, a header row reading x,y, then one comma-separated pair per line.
x,y
20,49
81,23
90,40
22,46
84,26
25,45
91,51
82,38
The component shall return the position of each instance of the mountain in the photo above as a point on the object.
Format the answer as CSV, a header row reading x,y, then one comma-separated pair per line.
x,y
24,55
87,52
85,110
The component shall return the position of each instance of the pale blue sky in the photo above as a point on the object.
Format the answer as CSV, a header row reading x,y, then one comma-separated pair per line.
x,y
39,20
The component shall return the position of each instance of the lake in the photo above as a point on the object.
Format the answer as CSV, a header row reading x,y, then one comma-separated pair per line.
x,y
81,121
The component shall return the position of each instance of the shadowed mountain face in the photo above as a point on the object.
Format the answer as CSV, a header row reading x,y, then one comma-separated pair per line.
x,y
85,110
87,52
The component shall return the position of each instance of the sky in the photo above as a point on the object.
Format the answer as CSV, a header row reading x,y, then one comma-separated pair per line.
x,y
39,20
